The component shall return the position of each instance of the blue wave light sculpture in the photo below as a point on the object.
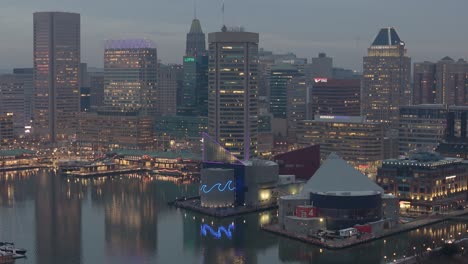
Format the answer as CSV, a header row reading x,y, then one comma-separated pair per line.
x,y
205,228
221,188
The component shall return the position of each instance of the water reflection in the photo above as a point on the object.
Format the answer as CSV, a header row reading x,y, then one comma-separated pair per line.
x,y
222,244
58,220
129,221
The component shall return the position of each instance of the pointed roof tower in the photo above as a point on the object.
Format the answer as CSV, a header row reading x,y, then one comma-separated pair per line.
x,y
195,44
387,37
196,26
336,175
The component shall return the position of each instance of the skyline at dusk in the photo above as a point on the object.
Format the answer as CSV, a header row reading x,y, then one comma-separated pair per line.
x,y
342,29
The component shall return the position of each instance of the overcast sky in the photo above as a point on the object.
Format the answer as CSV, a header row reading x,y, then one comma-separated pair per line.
x,y
343,29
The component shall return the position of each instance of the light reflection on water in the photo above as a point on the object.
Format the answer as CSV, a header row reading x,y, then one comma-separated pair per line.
x,y
127,220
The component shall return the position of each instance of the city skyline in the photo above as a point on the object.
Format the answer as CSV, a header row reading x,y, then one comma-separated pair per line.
x,y
345,38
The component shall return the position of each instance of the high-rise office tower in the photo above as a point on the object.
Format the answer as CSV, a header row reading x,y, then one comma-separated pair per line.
x,y
194,96
451,82
386,78
232,91
130,75
12,102
335,97
96,85
424,81
85,88
297,104
280,75
56,74
167,89
25,76
195,44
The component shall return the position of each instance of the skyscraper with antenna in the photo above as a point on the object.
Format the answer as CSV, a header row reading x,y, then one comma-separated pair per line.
x,y
193,101
195,44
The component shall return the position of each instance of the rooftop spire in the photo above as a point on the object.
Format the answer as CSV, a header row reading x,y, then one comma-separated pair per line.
x,y
194,9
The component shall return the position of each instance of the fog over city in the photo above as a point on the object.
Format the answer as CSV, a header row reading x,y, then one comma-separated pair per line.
x,y
343,29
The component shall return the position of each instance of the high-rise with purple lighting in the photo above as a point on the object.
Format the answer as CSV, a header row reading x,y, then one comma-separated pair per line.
x,y
233,91
56,74
130,75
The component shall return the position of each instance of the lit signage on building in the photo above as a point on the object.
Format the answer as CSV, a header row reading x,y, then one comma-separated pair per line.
x,y
320,80
334,117
326,117
450,177
226,187
189,59
204,229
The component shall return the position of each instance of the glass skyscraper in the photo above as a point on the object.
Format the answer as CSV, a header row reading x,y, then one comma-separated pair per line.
x,y
56,74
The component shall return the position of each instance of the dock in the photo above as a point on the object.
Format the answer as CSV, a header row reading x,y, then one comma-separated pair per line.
x,y
91,174
193,204
458,215
22,167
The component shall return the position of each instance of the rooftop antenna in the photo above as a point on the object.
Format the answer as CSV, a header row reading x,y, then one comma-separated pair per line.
x,y
222,13
195,9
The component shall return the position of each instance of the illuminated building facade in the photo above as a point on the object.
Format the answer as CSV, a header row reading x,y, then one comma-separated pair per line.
x,y
6,128
427,181
451,82
56,74
424,81
356,140
421,127
443,82
386,78
25,76
12,102
130,75
335,97
180,128
112,129
233,91
280,76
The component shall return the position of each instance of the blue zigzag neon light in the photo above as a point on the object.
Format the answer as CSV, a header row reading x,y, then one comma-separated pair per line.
x,y
221,189
217,234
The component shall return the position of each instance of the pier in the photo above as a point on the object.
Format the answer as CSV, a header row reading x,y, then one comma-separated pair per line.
x,y
365,238
90,174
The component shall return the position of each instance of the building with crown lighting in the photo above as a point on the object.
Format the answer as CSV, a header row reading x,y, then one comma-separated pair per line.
x,y
386,78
